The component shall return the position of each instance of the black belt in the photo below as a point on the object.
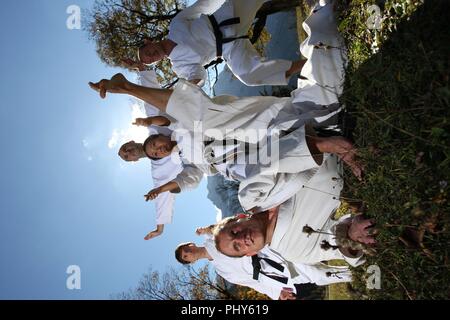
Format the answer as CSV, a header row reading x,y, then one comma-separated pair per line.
x,y
220,40
224,144
227,143
256,262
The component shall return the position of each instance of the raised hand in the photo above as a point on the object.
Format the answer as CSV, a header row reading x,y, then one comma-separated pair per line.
x,y
152,234
152,194
143,122
117,84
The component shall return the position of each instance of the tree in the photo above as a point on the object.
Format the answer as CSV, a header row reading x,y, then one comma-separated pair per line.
x,y
118,27
246,293
183,283
187,283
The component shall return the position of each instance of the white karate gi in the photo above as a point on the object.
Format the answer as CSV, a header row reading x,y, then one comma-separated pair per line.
x,y
298,273
148,78
240,271
188,104
312,205
196,43
163,170
293,157
326,56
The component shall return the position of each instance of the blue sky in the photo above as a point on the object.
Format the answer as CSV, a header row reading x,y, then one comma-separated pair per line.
x,y
66,198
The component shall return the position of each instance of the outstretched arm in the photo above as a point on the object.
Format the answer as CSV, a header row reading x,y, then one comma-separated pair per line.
x,y
157,232
187,179
171,186
156,121
119,84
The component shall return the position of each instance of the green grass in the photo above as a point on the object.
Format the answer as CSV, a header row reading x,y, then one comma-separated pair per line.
x,y
397,100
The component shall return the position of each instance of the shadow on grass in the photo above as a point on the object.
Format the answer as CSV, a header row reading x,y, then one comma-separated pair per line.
x,y
398,102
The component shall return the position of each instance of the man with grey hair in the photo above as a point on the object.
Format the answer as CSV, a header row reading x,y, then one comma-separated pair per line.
x,y
211,29
301,229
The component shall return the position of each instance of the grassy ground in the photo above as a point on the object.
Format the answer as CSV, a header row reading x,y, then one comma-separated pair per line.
x,y
397,98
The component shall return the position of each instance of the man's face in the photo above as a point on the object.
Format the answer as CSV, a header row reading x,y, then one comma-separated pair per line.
x,y
188,253
151,52
130,151
244,237
159,147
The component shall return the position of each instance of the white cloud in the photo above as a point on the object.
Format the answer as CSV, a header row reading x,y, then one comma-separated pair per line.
x,y
90,158
85,143
114,139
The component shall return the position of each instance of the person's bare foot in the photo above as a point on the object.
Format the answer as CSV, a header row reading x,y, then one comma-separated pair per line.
x,y
117,84
345,150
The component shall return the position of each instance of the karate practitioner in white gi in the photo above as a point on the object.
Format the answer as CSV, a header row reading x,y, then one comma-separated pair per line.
x,y
266,272
163,170
209,29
